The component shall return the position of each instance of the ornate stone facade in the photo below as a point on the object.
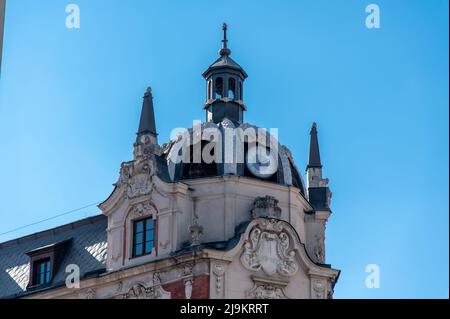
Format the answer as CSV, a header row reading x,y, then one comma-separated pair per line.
x,y
223,233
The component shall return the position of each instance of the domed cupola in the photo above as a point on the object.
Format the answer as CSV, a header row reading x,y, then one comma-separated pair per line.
x,y
224,87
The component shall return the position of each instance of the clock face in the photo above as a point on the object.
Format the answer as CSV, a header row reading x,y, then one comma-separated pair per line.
x,y
261,162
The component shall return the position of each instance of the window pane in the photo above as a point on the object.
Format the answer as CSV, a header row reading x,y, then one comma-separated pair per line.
x,y
149,235
42,272
150,224
148,247
138,250
139,227
139,238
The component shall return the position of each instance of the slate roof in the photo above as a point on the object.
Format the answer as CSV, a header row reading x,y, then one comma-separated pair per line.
x,y
87,249
147,122
225,62
314,154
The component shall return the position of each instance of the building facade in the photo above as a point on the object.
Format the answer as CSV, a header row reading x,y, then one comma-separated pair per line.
x,y
179,225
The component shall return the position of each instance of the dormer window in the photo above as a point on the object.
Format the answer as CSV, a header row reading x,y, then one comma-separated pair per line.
x,y
42,272
44,262
143,237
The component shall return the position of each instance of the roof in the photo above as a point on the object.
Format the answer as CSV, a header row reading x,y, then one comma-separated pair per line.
x,y
88,246
224,62
314,153
147,122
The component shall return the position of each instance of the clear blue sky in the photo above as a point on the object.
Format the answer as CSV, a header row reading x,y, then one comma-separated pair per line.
x,y
70,103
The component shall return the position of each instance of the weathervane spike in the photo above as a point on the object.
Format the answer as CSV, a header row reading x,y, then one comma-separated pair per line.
x,y
224,41
225,50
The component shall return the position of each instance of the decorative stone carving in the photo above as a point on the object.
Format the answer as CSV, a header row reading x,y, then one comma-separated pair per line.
x,y
318,287
136,176
268,249
319,251
196,231
126,171
139,185
330,290
219,271
139,291
188,283
156,279
267,289
266,207
157,292
186,270
142,209
91,293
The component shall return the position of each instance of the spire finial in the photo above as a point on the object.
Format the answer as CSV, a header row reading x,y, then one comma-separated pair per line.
x,y
148,92
314,154
224,41
147,122
225,50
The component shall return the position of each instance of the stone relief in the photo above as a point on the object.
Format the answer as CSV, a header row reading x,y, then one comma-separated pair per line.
x,y
139,185
188,283
318,289
136,292
196,231
141,210
266,207
186,270
139,291
136,176
319,251
268,249
266,291
219,271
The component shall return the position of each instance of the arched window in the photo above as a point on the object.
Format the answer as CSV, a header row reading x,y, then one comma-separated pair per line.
x,y
240,91
210,90
218,93
231,88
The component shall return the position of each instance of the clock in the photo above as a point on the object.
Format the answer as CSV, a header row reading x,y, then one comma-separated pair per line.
x,y
261,162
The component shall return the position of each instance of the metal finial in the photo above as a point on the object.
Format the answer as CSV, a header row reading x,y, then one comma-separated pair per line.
x,y
224,41
148,92
225,50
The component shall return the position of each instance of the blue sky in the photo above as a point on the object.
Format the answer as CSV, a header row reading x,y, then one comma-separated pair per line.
x,y
70,103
